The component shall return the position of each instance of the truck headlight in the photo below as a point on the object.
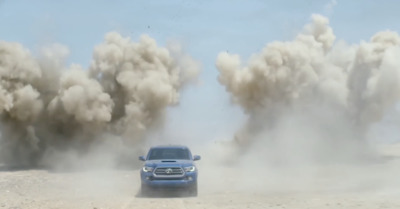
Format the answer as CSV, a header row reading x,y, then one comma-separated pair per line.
x,y
190,169
148,169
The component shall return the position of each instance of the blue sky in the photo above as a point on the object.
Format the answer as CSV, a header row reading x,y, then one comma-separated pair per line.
x,y
204,27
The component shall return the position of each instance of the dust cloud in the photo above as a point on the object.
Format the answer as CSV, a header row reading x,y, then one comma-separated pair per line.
x,y
52,112
313,87
310,103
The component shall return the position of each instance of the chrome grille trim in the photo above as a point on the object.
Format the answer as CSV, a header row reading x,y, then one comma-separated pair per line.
x,y
169,172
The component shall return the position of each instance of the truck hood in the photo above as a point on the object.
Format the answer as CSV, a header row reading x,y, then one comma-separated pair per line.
x,y
168,163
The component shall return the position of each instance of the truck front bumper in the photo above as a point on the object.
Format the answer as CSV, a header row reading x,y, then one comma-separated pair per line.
x,y
188,180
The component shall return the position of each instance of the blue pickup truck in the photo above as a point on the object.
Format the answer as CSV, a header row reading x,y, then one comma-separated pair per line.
x,y
169,167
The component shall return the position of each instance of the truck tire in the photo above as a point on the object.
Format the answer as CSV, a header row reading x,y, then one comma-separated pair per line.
x,y
193,190
145,190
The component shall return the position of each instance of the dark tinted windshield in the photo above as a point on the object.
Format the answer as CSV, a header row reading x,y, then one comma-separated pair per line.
x,y
169,153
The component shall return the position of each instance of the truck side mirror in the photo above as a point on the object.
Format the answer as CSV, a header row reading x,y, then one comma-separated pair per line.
x,y
141,158
196,157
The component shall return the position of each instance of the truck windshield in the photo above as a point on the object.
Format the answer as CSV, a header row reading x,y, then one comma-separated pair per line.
x,y
169,153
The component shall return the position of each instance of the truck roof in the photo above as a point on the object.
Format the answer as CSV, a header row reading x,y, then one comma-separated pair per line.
x,y
170,146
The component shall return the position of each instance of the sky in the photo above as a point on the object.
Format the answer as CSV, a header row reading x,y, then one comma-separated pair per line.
x,y
204,28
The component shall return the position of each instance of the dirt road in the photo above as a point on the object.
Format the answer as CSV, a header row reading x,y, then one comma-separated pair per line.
x,y
373,185
118,189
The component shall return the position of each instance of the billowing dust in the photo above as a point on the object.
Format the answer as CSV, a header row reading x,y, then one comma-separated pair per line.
x,y
310,103
49,109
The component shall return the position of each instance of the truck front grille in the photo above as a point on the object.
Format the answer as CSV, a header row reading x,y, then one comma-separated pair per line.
x,y
169,171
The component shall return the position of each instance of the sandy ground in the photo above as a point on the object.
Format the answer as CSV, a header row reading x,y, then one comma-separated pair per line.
x,y
374,186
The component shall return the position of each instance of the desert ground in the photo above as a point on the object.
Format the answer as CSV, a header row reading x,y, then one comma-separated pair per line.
x,y
370,185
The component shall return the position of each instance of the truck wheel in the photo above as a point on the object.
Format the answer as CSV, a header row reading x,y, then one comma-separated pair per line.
x,y
145,190
193,190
